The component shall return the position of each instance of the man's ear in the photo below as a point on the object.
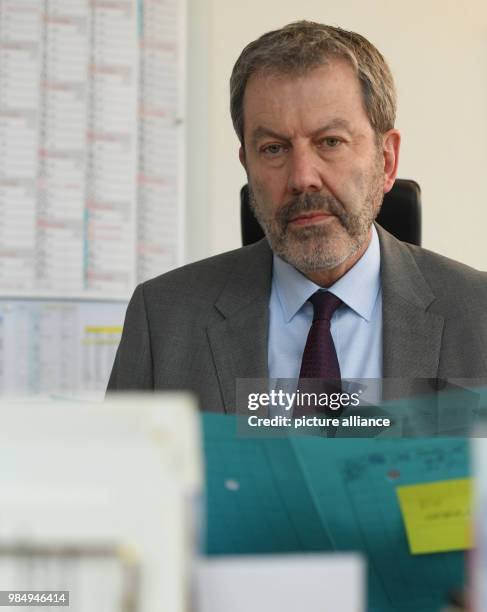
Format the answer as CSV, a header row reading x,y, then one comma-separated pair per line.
x,y
241,156
390,149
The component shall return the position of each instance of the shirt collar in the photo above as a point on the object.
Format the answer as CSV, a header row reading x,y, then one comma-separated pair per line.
x,y
358,288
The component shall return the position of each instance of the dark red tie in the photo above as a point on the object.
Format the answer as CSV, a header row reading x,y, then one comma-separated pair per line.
x,y
320,359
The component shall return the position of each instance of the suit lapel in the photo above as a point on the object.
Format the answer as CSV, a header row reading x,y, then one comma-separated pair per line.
x,y
238,342
411,334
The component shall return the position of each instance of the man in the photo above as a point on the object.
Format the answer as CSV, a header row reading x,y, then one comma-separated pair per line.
x,y
314,109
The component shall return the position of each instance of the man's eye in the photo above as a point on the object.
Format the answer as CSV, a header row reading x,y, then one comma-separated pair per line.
x,y
272,149
331,142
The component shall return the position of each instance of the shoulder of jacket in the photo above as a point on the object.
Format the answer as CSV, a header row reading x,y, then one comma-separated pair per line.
x,y
445,273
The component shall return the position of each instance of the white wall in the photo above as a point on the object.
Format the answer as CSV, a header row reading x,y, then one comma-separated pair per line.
x,y
437,50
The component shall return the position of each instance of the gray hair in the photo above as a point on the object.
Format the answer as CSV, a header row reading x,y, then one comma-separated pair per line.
x,y
301,46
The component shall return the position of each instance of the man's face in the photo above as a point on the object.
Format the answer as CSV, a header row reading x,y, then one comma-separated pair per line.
x,y
316,171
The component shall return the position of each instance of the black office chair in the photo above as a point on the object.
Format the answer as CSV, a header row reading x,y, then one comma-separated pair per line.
x,y
400,214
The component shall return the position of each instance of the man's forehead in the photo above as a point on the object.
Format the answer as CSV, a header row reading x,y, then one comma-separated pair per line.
x,y
326,97
264,78
288,72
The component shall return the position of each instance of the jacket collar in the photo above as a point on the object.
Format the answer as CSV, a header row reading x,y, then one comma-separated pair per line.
x,y
411,331
238,341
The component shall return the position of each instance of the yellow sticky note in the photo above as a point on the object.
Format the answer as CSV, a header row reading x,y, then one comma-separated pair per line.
x,y
437,515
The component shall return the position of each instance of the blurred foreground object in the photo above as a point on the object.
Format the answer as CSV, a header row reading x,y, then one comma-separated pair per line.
x,y
97,500
282,582
479,559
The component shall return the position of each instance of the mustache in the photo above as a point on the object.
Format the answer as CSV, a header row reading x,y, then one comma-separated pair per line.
x,y
310,202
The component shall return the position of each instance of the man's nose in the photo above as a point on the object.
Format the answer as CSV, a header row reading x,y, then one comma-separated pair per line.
x,y
304,174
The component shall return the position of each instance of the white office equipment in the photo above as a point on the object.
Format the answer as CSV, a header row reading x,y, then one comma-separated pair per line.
x,y
100,500
285,583
478,565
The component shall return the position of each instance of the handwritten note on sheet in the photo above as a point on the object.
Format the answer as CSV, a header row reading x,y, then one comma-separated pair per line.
x,y
437,515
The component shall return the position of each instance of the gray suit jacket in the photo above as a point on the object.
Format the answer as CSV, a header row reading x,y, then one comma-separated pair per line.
x,y
204,325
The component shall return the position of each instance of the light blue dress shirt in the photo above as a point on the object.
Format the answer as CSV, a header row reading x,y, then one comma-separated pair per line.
x,y
356,327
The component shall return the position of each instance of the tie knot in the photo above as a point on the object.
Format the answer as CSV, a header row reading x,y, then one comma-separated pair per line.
x,y
324,305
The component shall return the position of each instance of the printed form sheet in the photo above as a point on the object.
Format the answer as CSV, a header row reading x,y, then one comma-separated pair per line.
x,y
91,178
91,145
161,158
53,348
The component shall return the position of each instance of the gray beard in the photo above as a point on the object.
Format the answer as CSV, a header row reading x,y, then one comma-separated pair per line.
x,y
318,247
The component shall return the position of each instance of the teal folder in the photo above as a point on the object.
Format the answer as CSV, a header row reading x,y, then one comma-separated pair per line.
x,y
283,495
